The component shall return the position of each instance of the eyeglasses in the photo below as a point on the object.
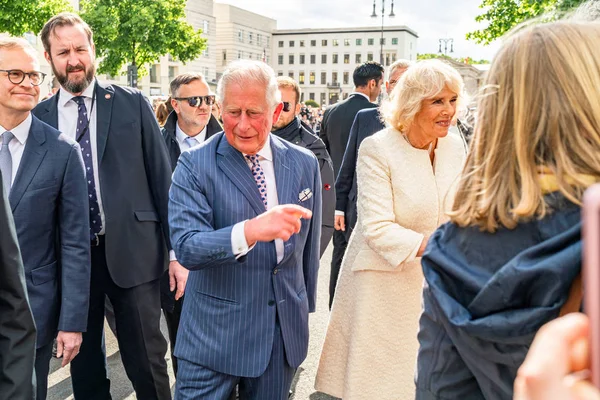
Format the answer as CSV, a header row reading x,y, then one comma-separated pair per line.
x,y
196,101
16,76
287,106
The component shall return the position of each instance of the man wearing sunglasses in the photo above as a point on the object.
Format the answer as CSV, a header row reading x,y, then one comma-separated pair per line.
x,y
42,171
190,123
291,128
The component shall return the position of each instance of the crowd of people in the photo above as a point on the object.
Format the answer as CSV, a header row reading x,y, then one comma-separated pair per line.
x,y
453,244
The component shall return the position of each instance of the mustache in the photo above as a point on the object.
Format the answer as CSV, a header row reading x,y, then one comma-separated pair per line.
x,y
74,68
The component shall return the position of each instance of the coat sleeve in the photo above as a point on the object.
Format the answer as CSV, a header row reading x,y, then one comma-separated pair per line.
x,y
328,194
17,330
75,260
384,236
345,178
311,250
324,132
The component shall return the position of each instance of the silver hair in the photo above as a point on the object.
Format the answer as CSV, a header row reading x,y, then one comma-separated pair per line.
x,y
241,72
401,63
11,42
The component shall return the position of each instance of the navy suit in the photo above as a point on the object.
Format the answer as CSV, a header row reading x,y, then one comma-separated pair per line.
x,y
238,310
366,123
48,199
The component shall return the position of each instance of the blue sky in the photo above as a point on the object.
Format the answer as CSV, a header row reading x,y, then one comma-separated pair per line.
x,y
431,19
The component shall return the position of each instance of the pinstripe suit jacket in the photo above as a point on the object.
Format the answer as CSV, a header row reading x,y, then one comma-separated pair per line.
x,y
228,319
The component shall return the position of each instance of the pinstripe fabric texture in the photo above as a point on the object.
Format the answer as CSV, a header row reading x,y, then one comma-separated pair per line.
x,y
228,318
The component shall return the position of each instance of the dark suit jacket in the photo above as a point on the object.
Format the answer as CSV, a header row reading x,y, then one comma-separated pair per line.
x,y
135,176
366,123
17,330
49,202
335,128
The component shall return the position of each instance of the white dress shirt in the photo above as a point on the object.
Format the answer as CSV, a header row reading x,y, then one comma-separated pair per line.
x,y
17,145
238,239
181,137
67,124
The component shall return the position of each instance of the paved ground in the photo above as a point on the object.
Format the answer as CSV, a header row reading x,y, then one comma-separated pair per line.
x,y
60,382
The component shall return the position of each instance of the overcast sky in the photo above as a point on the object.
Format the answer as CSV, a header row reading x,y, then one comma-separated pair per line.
x,y
431,19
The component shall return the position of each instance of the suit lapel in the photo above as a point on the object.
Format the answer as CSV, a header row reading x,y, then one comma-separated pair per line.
x,y
33,154
232,163
283,172
51,115
104,100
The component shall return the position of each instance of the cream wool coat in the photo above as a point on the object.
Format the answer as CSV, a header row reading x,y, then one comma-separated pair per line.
x,y
371,345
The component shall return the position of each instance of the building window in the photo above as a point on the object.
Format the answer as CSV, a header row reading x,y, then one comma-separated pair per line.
x,y
291,74
301,78
411,45
302,59
281,43
359,42
154,75
334,78
259,39
346,42
241,36
335,42
205,72
205,27
323,78
224,57
250,38
279,73
302,43
334,58
205,52
240,54
292,43
393,58
312,77
323,58
382,41
324,42
357,58
346,58
371,41
323,97
313,43
280,59
395,41
369,56
311,96
291,59
313,58
346,77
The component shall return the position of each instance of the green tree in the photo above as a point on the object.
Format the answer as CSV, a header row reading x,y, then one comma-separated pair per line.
x,y
21,16
139,32
466,60
311,103
502,15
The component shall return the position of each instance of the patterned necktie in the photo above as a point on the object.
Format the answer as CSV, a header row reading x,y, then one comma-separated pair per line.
x,y
259,177
83,137
6,161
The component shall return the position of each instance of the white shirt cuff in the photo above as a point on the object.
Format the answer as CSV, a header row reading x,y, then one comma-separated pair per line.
x,y
172,255
339,213
239,244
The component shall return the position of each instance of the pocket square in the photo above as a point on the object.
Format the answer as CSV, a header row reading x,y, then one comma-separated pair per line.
x,y
304,195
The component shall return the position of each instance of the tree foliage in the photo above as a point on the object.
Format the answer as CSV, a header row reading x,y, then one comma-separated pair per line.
x,y
502,15
140,32
21,16
466,60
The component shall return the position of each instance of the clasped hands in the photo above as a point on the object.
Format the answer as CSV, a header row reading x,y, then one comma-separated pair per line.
x,y
280,222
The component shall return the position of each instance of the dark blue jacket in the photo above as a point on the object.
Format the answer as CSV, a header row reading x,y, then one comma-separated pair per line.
x,y
485,297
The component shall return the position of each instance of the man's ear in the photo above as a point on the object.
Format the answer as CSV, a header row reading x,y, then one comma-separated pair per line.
x,y
298,108
175,105
47,57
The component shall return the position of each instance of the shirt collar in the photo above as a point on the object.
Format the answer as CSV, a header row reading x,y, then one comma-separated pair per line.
x,y
181,135
361,94
266,151
21,131
64,97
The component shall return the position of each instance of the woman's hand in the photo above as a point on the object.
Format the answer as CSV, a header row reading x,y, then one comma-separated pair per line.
x,y
560,349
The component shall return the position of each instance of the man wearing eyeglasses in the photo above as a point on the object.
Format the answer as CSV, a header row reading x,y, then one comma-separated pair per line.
x,y
291,128
189,125
128,178
42,170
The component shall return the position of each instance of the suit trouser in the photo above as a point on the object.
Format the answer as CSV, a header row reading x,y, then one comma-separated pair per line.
x,y
339,248
172,318
198,382
141,343
42,369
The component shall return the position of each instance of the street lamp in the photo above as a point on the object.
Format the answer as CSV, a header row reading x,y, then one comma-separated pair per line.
x,y
446,41
374,15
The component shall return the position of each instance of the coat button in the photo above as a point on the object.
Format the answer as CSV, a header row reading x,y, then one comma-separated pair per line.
x,y
271,303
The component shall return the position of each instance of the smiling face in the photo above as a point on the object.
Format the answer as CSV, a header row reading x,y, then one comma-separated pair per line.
x,y
192,120
17,100
435,117
72,58
247,116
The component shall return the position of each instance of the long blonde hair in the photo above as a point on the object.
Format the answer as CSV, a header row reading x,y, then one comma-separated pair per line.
x,y
539,109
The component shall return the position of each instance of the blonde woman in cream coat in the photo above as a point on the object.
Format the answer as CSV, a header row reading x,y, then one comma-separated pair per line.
x,y
406,178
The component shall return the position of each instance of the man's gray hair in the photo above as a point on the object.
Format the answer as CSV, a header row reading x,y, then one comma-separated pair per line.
x,y
11,42
243,72
399,64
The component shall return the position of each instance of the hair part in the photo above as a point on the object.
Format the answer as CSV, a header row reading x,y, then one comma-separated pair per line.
x,y
423,80
289,83
539,110
365,72
185,79
60,20
243,72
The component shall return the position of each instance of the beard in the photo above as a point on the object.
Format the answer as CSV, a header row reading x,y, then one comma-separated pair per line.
x,y
71,85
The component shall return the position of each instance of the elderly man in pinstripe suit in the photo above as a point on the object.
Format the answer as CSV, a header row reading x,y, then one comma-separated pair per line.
x,y
245,218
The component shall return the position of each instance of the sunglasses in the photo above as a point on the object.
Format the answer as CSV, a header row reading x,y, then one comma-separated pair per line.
x,y
196,101
287,106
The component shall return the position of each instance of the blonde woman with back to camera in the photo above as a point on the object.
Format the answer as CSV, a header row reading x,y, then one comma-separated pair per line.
x,y
509,260
406,175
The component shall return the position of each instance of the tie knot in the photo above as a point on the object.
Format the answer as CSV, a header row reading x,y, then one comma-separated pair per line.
x,y
7,137
253,158
78,100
